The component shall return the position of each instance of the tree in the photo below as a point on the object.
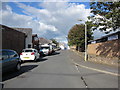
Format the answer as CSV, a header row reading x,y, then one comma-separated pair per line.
x,y
76,36
106,16
54,41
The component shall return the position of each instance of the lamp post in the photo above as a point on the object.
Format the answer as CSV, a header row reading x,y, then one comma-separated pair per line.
x,y
85,42
85,58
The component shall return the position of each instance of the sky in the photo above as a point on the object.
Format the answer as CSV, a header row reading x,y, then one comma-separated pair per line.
x,y
47,19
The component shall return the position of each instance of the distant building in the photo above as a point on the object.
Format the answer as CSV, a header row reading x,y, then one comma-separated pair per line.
x,y
28,33
12,39
62,46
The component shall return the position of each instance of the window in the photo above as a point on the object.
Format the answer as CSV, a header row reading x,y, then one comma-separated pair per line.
x,y
44,47
28,50
12,54
3,55
35,51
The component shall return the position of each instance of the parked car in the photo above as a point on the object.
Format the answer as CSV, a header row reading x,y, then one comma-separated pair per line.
x,y
29,54
46,49
10,60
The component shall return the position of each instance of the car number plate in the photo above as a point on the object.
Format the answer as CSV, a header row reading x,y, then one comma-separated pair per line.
x,y
26,57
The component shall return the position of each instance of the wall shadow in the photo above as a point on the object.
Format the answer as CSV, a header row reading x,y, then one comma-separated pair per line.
x,y
12,74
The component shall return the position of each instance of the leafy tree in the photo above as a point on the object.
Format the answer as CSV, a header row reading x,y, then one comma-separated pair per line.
x,y
54,41
106,15
76,36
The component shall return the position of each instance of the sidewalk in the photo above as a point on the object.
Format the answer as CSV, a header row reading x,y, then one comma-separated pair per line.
x,y
114,61
79,60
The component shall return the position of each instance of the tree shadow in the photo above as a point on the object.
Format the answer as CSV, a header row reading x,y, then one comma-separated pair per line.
x,y
109,48
11,74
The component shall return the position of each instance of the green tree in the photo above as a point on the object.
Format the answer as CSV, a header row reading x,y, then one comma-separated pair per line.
x,y
76,36
54,41
108,15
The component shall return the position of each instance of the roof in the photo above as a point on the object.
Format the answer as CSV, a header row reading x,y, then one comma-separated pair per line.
x,y
7,50
118,32
29,49
3,27
34,35
24,30
45,45
44,41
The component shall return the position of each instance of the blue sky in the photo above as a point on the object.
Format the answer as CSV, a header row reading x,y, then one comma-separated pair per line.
x,y
47,19
18,10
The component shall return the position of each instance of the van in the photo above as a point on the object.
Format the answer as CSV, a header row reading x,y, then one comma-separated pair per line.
x,y
46,49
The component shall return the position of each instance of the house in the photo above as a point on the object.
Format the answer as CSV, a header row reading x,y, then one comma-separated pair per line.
x,y
107,46
43,41
28,33
62,46
109,37
12,39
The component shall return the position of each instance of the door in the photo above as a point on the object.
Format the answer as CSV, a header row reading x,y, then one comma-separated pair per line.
x,y
13,58
5,61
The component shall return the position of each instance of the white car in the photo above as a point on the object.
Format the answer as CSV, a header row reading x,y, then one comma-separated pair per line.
x,y
46,49
29,54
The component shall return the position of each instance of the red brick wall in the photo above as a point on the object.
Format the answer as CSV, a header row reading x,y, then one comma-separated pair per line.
x,y
108,49
12,39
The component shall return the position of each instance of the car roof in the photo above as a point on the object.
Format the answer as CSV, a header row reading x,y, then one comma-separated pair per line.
x,y
29,49
6,50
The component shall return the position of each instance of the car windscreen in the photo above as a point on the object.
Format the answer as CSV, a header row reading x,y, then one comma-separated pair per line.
x,y
28,51
44,47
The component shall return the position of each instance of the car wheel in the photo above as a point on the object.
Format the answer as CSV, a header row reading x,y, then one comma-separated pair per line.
x,y
18,66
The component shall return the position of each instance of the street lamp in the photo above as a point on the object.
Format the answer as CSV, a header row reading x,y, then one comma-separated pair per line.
x,y
85,41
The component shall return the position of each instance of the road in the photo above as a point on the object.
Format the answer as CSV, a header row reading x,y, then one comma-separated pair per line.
x,y
61,71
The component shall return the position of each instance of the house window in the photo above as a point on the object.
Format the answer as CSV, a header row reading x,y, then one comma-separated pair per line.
x,y
113,37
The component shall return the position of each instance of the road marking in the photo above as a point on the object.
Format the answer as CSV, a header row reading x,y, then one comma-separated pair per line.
x,y
115,74
82,78
77,68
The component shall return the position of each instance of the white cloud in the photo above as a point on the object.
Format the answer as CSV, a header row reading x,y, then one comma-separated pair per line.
x,y
47,27
54,20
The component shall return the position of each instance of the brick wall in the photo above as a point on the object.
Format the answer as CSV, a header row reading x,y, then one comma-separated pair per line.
x,y
107,49
12,39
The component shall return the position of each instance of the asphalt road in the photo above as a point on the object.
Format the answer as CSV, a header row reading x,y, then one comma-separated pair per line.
x,y
60,71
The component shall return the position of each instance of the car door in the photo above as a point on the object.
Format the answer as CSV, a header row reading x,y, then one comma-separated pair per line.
x,y
13,58
5,61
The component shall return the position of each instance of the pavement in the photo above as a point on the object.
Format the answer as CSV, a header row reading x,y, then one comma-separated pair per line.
x,y
94,66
